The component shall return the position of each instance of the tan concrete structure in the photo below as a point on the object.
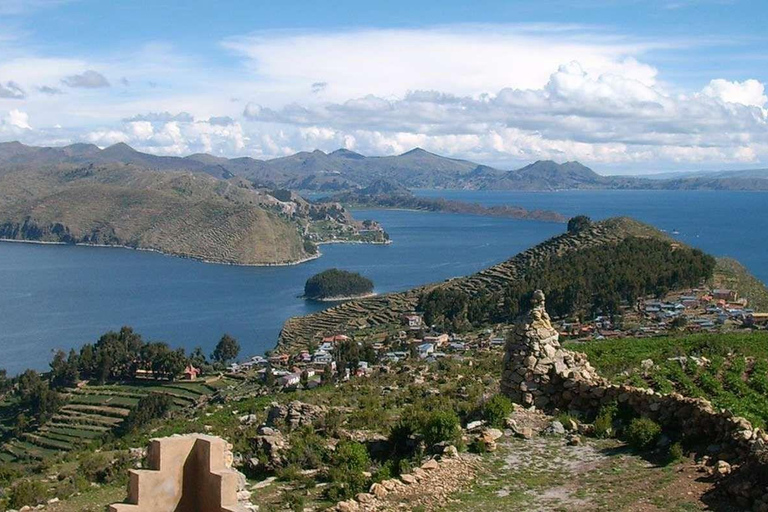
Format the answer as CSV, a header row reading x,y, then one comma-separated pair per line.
x,y
190,473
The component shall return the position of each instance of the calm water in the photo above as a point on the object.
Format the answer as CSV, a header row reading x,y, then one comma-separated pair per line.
x,y
55,297
721,223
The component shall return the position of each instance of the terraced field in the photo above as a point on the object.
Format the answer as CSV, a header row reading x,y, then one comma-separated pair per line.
x,y
92,412
387,309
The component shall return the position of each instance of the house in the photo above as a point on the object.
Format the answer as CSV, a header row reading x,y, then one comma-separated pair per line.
x,y
290,380
326,346
498,341
425,349
438,340
412,320
336,338
259,360
280,359
457,347
322,357
724,294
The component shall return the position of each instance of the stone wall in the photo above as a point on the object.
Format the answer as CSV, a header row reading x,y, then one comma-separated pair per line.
x,y
538,372
190,473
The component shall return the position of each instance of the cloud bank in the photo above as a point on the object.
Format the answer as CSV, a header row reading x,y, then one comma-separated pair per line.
x,y
497,94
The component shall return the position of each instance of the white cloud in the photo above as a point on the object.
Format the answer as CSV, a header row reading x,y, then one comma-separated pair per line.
x,y
15,122
88,80
748,92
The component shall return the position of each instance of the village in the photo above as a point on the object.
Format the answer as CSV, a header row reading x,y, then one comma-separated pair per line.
x,y
689,311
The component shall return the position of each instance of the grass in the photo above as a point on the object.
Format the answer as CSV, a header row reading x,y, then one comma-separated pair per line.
x,y
736,378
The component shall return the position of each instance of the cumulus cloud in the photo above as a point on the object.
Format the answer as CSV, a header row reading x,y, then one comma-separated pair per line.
x,y
88,80
604,118
749,92
15,121
12,90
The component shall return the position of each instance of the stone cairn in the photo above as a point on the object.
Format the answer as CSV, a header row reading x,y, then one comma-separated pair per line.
x,y
537,370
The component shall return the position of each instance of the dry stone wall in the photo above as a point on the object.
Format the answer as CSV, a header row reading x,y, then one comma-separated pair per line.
x,y
538,372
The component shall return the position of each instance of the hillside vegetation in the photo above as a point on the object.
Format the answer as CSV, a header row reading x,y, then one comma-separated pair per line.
x,y
484,286
729,369
335,283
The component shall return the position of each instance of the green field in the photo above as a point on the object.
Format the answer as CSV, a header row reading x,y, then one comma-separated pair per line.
x,y
733,374
89,414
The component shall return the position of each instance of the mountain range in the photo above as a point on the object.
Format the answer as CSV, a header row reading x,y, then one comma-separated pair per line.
x,y
346,170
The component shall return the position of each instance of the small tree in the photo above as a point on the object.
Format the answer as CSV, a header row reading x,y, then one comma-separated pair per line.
x,y
579,223
226,350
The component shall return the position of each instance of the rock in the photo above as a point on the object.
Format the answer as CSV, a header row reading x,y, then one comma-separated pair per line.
x,y
295,414
379,491
524,432
574,440
450,451
722,468
248,419
390,484
493,433
408,479
430,465
474,425
271,448
347,506
555,428
364,497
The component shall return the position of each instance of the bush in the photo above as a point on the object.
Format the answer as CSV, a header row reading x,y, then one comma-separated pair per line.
x,y
604,422
26,492
346,474
400,437
675,453
642,433
441,426
102,468
496,410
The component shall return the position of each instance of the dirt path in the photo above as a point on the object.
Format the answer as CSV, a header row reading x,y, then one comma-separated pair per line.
x,y
546,474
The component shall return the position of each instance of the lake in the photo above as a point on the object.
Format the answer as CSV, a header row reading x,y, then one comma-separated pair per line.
x,y
57,297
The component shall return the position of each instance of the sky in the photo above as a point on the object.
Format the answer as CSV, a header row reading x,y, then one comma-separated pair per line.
x,y
624,86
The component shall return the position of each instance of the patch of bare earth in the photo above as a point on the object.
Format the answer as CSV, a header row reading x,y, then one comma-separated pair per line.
x,y
546,473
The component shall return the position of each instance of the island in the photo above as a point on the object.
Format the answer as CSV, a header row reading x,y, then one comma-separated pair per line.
x,y
334,284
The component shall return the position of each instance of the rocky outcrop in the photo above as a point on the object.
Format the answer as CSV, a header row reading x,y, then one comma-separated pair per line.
x,y
294,415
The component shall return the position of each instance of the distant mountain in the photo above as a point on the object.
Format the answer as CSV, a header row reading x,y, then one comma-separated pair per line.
x,y
344,170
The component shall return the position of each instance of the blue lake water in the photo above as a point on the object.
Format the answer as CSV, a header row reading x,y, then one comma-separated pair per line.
x,y
57,297
719,222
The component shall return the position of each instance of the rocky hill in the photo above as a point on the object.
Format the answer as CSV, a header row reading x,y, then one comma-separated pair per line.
x,y
181,213
343,170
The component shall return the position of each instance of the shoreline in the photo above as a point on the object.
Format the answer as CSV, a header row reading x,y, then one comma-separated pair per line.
x,y
341,299
168,254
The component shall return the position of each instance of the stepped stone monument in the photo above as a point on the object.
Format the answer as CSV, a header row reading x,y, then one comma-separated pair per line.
x,y
536,369
190,473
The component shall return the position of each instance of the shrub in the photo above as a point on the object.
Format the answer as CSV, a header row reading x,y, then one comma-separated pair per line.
x,y
642,433
675,453
441,426
496,410
102,468
26,492
293,501
307,449
346,473
604,421
400,437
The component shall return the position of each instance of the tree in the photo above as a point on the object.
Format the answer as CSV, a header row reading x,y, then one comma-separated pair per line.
x,y
150,407
579,223
64,370
5,384
197,358
269,377
226,350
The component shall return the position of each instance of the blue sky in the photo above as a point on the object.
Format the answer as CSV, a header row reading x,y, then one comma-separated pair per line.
x,y
622,85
